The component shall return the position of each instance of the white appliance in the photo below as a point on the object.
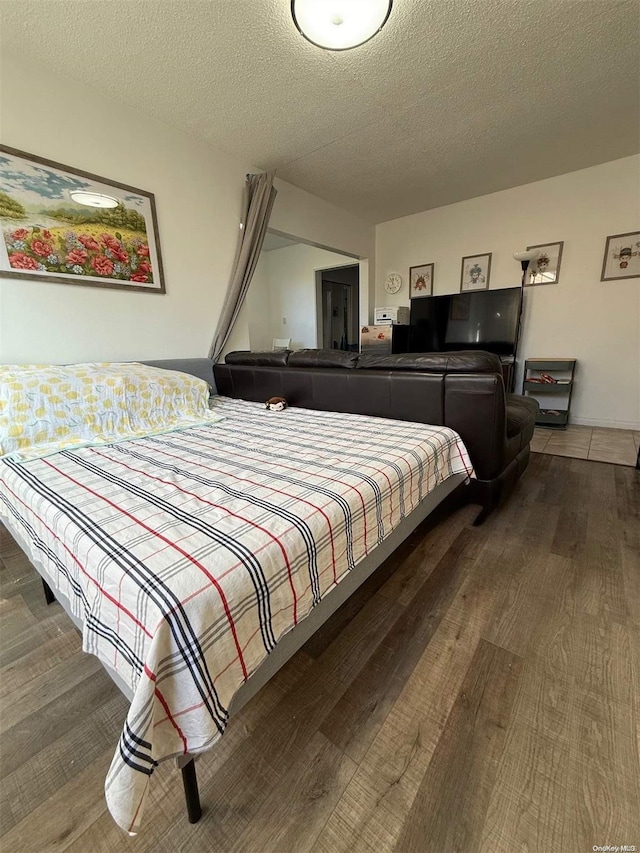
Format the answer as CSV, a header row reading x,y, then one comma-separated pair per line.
x,y
396,315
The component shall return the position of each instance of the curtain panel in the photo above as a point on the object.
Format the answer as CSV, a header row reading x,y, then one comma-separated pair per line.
x,y
259,197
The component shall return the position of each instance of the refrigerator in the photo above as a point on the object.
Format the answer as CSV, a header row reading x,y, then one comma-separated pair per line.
x,y
384,339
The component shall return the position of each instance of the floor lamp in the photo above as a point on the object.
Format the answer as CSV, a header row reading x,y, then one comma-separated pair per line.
x,y
525,259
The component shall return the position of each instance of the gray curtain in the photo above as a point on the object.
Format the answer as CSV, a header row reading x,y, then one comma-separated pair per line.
x,y
259,196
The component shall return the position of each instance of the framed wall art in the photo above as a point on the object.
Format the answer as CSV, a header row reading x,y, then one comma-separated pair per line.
x,y
476,270
546,268
61,225
621,257
421,281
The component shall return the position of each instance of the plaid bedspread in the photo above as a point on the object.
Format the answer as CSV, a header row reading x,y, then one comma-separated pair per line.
x,y
188,555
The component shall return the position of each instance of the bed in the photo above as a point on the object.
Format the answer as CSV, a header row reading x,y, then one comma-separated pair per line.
x,y
196,561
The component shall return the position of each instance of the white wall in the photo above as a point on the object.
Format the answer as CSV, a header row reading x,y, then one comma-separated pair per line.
x,y
198,199
596,322
313,220
291,285
198,193
258,304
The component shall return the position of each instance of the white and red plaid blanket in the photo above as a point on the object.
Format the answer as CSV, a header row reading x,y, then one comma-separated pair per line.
x,y
187,555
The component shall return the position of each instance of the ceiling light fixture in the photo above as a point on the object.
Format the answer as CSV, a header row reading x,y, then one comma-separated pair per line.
x,y
340,24
93,199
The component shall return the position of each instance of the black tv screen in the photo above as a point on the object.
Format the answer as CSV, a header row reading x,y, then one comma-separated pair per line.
x,y
482,319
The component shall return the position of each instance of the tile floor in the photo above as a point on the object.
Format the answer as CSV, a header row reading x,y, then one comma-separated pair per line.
x,y
618,446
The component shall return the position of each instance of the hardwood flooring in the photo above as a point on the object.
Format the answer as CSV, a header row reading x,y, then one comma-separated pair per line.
x,y
480,693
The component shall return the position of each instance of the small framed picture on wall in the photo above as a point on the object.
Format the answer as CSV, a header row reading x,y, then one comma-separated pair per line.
x,y
475,273
421,281
545,269
621,257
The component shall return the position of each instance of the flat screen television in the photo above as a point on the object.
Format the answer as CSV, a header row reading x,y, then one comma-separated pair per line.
x,y
481,319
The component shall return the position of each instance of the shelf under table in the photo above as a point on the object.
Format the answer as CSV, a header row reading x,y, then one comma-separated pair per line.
x,y
559,387
558,420
550,363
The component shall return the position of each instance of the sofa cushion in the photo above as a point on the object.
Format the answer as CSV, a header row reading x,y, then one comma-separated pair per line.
x,y
277,358
471,361
521,414
322,358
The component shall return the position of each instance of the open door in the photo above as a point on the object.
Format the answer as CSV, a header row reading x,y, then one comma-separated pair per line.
x,y
340,308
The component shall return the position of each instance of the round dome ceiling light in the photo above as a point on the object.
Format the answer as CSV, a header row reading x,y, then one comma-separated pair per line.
x,y
340,24
93,199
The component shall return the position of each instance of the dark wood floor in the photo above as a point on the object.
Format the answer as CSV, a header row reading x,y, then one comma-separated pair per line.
x,y
481,694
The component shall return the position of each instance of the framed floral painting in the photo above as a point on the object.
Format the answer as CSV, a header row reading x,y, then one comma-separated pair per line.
x,y
61,225
621,257
421,281
475,272
545,269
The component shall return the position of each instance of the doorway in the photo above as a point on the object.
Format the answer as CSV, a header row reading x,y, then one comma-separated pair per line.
x,y
339,315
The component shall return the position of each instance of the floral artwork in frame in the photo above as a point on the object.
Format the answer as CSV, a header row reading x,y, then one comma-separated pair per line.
x,y
621,257
107,238
421,281
545,269
476,270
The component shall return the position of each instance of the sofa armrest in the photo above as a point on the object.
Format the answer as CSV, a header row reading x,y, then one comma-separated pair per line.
x,y
474,406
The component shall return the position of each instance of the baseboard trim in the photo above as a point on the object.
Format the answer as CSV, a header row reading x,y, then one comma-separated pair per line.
x,y
598,422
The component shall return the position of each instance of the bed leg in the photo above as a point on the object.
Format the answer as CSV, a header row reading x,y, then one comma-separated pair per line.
x,y
49,597
190,781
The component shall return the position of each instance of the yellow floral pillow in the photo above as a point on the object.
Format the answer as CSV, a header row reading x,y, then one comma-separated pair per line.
x,y
46,408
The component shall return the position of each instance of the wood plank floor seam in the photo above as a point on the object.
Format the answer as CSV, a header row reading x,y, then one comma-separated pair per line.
x,y
481,693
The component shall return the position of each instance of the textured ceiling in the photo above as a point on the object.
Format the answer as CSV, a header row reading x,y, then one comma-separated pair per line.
x,y
453,99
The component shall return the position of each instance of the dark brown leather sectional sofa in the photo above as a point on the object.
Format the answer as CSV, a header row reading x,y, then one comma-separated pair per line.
x,y
461,390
